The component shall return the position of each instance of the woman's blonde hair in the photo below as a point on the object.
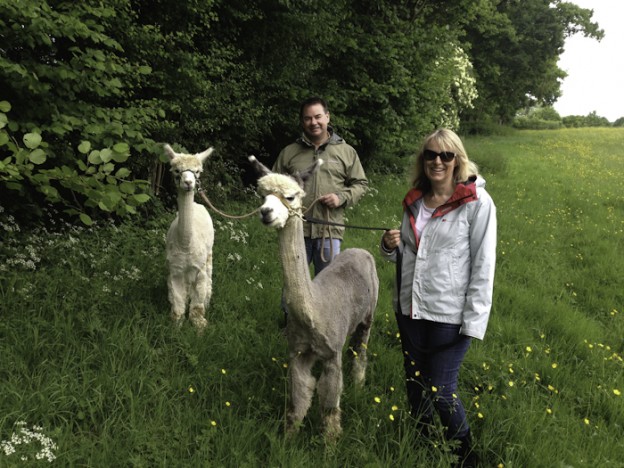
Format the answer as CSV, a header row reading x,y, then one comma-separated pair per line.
x,y
447,140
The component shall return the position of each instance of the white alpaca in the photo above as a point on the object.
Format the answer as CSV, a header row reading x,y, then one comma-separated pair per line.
x,y
339,302
189,243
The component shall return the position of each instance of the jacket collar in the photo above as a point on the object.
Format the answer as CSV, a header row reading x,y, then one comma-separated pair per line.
x,y
465,192
334,139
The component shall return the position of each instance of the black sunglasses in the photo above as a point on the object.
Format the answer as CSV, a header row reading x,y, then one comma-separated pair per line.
x,y
445,156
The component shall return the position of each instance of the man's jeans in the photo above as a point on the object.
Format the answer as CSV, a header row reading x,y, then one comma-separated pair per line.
x,y
313,251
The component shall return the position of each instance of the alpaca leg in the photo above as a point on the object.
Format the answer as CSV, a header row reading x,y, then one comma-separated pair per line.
x,y
359,345
302,384
208,269
330,390
178,294
199,292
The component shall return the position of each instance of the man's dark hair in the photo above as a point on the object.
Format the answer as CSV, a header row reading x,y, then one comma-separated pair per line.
x,y
311,101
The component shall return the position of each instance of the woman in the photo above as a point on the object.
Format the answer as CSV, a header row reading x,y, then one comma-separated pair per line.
x,y
445,253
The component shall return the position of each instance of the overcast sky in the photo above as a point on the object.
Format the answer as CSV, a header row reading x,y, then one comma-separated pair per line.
x,y
595,80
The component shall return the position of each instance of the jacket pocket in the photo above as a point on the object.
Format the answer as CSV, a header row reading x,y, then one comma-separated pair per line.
x,y
441,282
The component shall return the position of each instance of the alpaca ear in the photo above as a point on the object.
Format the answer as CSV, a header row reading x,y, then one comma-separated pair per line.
x,y
204,155
260,168
305,175
169,152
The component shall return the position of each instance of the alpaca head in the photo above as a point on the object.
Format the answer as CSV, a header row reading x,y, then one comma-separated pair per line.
x,y
186,168
282,193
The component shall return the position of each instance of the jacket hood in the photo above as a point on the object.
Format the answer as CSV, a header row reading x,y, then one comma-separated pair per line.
x,y
334,139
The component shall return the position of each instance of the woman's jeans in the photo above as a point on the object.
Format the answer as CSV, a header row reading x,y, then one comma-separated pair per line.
x,y
432,355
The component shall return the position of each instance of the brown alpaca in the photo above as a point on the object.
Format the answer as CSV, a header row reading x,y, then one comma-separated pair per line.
x,y
323,312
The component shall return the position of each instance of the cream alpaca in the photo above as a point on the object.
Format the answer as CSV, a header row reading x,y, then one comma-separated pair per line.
x,y
189,243
339,302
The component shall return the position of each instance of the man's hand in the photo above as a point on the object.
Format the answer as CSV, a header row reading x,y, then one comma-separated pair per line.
x,y
330,200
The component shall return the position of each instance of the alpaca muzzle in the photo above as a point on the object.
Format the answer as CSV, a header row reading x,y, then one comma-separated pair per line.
x,y
189,182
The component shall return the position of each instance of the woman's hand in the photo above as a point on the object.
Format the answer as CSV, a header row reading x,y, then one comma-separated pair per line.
x,y
391,239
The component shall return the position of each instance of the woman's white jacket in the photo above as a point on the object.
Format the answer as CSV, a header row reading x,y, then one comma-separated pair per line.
x,y
448,274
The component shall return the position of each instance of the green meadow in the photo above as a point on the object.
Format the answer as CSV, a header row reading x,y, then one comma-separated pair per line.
x,y
93,374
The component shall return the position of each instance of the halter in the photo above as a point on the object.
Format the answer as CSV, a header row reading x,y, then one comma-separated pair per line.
x,y
286,203
197,179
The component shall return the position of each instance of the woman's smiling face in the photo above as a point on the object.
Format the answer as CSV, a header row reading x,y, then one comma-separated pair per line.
x,y
436,170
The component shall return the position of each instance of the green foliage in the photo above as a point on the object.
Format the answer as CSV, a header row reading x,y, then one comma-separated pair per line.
x,y
99,181
546,118
545,113
538,118
66,81
590,120
524,122
231,74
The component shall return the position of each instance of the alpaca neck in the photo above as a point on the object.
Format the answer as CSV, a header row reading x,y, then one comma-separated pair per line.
x,y
297,280
185,217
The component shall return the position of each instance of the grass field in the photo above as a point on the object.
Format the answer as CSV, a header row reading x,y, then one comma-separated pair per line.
x,y
92,373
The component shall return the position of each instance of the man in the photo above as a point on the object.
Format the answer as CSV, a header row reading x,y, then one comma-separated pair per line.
x,y
338,184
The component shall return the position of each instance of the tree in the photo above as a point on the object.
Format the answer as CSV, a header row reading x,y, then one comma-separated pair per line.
x,y
91,89
515,46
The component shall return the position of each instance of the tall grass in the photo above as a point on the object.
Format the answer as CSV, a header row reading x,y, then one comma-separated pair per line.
x,y
91,366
